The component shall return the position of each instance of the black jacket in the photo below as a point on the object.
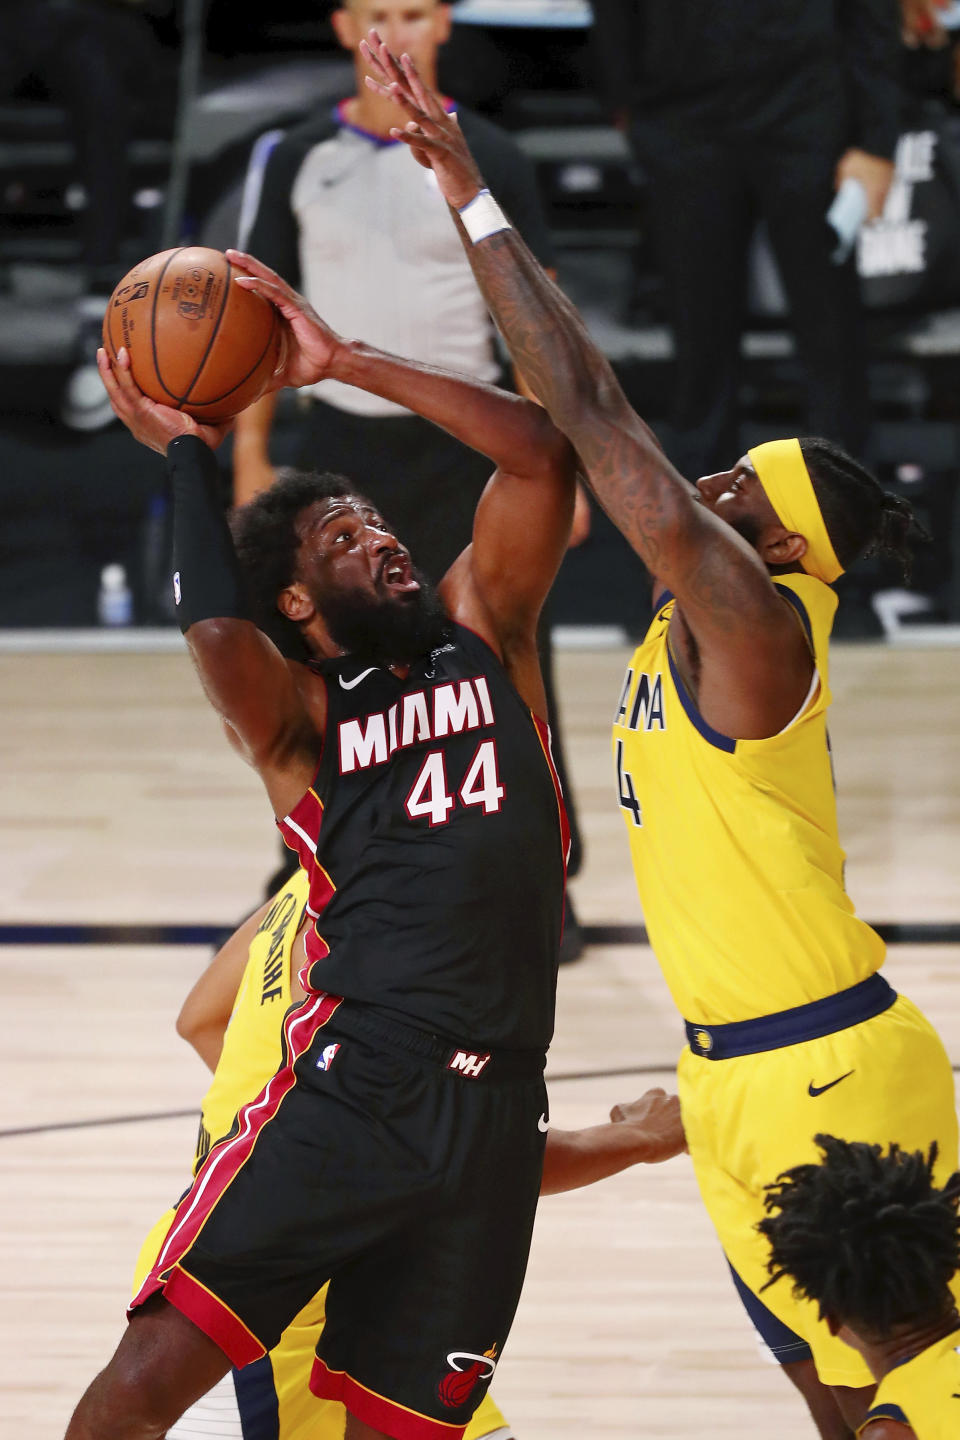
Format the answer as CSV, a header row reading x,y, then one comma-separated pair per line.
x,y
814,72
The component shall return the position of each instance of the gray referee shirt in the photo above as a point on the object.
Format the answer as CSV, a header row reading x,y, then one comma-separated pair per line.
x,y
356,224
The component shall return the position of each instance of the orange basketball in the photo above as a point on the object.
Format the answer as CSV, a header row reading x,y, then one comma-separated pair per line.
x,y
196,340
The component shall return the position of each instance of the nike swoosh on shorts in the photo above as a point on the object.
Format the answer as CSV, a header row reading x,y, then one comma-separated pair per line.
x,y
815,1090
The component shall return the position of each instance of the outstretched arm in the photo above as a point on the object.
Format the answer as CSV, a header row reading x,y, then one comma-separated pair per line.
x,y
513,432
722,586
646,1131
522,524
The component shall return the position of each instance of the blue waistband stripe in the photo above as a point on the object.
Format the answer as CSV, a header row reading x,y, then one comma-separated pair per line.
x,y
792,1027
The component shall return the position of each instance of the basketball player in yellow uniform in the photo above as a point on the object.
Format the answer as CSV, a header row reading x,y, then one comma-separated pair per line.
x,y
724,777
233,1018
869,1238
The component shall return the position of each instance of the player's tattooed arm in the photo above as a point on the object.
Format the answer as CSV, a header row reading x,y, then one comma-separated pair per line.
x,y
718,578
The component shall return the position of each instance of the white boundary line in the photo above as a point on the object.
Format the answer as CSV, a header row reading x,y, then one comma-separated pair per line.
x,y
124,641
136,640
925,637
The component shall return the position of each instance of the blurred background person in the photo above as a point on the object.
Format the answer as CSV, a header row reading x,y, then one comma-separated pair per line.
x,y
738,112
340,213
77,52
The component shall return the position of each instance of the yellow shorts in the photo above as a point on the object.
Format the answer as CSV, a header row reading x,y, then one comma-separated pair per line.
x,y
750,1118
302,1416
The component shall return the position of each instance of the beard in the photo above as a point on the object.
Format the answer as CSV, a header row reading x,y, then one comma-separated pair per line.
x,y
747,528
384,630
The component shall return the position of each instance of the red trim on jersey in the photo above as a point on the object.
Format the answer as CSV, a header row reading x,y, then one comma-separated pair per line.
x,y
376,1410
543,734
301,828
301,833
228,1157
213,1317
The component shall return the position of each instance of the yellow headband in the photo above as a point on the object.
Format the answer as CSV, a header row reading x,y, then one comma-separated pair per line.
x,y
786,481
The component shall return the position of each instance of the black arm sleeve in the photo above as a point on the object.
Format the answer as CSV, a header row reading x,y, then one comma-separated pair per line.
x,y
206,576
871,55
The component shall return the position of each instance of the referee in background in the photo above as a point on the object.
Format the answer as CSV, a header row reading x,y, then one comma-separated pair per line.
x,y
341,213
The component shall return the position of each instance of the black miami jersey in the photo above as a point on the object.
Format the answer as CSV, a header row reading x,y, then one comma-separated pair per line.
x,y
435,840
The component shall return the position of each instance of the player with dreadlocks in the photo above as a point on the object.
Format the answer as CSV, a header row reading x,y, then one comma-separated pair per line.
x,y
722,767
869,1238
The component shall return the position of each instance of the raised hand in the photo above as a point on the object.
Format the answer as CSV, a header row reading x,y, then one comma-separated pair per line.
x,y
434,136
310,346
154,425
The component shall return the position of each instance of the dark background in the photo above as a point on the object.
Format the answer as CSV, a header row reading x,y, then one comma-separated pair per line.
x,y
74,502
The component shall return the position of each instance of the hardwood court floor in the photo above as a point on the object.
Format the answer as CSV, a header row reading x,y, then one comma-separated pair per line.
x,y
120,801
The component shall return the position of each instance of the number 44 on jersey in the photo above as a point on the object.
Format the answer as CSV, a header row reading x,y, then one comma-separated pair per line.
x,y
430,792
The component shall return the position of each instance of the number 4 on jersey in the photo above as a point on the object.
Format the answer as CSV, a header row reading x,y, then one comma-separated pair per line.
x,y
625,791
428,793
481,786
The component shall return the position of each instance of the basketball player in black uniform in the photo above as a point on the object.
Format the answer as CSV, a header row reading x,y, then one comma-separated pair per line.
x,y
398,1150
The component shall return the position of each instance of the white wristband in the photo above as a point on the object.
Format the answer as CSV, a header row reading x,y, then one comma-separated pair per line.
x,y
483,217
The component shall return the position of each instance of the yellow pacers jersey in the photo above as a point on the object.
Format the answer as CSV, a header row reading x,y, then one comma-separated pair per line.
x,y
734,842
923,1393
252,1046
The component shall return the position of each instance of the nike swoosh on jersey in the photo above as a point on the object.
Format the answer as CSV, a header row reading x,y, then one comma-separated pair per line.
x,y
543,1124
351,684
815,1090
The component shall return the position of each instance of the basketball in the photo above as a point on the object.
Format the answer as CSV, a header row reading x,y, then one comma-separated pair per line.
x,y
196,341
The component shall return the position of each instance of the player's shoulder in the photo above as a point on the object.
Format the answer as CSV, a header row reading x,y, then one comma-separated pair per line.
x,y
884,1428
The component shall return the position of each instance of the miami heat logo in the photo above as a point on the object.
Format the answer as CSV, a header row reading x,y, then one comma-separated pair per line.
x,y
466,1371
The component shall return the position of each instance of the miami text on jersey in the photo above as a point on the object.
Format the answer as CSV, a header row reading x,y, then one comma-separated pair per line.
x,y
447,709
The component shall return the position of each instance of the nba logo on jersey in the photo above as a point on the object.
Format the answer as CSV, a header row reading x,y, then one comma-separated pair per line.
x,y
176,587
328,1057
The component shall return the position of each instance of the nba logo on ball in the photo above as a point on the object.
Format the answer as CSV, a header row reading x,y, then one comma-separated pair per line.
x,y
328,1056
176,587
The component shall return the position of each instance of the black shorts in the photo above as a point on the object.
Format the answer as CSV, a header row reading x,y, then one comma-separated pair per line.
x,y
401,1168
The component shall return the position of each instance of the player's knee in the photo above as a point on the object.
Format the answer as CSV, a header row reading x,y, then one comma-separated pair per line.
x,y
115,1407
135,1403
160,1367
